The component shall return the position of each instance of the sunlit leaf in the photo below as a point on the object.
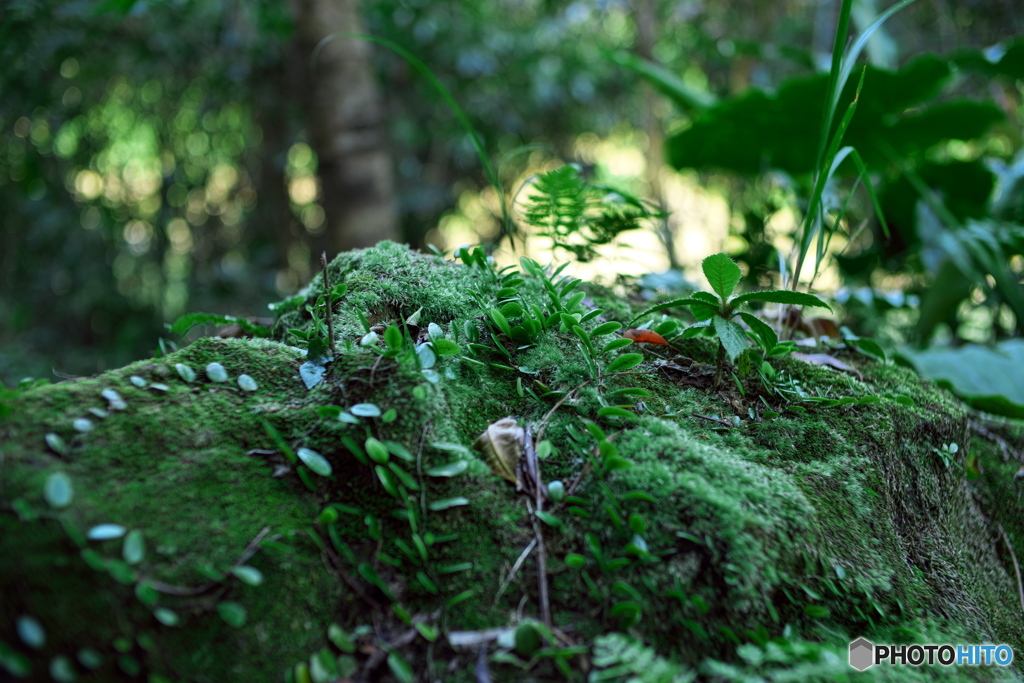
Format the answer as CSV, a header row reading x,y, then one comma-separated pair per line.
x,y
723,274
314,461
134,548
58,490
104,532
248,575
446,503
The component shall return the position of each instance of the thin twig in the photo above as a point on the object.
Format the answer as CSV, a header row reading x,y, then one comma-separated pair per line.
x,y
356,588
188,591
542,564
713,419
328,302
419,471
561,401
515,569
542,567
1016,567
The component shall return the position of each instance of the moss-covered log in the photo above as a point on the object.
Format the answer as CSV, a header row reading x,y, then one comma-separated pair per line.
x,y
732,547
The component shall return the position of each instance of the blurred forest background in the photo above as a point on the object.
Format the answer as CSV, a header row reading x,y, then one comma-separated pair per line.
x,y
165,156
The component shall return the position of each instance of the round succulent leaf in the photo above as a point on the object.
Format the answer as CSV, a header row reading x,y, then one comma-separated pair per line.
x,y
146,594
314,461
83,424
105,532
232,613
166,616
58,490
446,503
400,668
340,639
625,362
365,410
247,383
185,372
111,395
450,469
62,670
248,575
138,381
134,549
216,372
377,451
90,658
606,328
30,631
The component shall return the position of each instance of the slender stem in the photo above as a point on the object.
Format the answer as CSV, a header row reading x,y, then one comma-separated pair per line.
x,y
719,365
329,302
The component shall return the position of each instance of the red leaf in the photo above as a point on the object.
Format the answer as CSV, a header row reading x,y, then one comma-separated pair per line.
x,y
645,337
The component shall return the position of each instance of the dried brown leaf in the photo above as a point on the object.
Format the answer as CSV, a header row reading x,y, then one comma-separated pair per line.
x,y
502,446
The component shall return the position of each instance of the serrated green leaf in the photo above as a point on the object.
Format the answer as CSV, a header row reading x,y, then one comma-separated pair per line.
x,y
731,335
692,303
762,331
781,296
722,273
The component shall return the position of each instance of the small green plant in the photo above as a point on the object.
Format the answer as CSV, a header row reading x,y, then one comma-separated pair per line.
x,y
718,312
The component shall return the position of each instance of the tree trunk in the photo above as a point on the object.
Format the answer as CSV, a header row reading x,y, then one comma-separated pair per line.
x,y
345,112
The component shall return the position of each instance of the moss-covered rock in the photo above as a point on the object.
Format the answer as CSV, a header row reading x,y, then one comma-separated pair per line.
x,y
686,544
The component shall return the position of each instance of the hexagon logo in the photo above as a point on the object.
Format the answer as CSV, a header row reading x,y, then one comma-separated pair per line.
x,y
862,654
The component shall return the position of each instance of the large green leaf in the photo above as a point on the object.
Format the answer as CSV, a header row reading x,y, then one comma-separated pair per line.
x,y
755,130
989,379
781,296
722,273
732,336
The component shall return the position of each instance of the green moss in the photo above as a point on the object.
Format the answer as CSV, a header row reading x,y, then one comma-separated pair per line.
x,y
812,529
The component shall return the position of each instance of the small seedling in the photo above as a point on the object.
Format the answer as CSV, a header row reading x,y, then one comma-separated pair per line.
x,y
718,311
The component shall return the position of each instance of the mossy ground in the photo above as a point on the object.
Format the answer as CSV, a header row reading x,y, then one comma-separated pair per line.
x,y
810,529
